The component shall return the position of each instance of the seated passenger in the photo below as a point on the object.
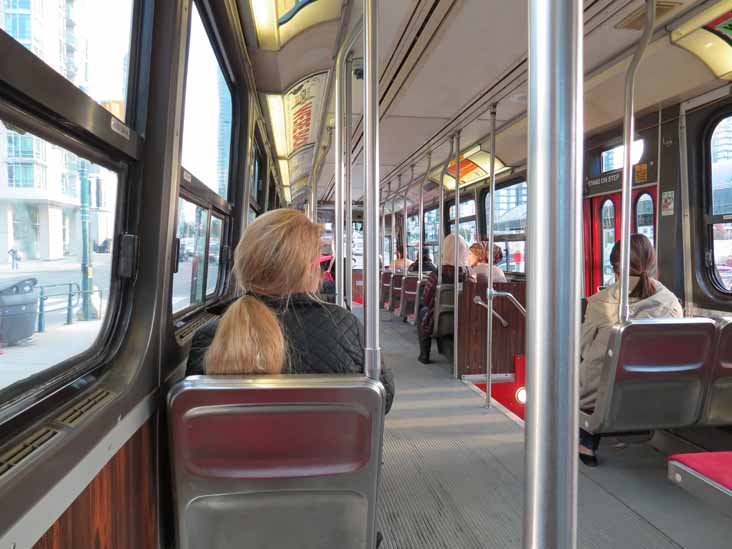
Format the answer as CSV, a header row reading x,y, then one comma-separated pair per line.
x,y
427,265
279,325
400,264
478,260
425,324
648,299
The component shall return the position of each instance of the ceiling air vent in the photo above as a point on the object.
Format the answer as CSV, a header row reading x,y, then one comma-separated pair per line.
x,y
25,448
637,19
76,413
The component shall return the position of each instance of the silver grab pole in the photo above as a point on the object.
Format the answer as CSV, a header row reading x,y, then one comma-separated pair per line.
x,y
393,231
491,213
347,180
554,238
628,134
441,218
456,264
421,220
383,227
338,206
405,228
371,165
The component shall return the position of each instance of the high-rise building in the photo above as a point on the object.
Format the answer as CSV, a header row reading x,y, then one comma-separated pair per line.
x,y
40,185
224,136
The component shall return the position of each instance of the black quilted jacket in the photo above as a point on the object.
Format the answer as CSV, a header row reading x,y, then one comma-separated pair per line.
x,y
322,339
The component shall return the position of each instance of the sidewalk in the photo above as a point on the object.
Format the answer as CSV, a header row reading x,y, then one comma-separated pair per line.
x,y
32,266
45,350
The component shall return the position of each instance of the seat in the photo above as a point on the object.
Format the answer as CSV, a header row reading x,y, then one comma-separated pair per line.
x,y
276,461
409,295
718,401
412,318
654,376
396,292
385,289
444,309
705,475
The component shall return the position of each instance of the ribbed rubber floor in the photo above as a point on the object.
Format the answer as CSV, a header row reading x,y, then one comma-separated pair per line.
x,y
453,474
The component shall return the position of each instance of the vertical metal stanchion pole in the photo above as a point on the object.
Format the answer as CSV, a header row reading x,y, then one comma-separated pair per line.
x,y
421,222
489,296
347,180
393,228
628,136
456,265
554,239
441,216
371,165
405,227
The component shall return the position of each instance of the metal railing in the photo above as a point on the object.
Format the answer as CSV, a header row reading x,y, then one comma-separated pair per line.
x,y
73,295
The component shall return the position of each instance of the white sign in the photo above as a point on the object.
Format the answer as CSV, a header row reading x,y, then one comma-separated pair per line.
x,y
667,203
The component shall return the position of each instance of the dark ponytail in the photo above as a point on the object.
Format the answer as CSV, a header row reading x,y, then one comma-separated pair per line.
x,y
642,264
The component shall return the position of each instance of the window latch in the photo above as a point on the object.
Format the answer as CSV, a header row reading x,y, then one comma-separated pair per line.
x,y
129,245
176,257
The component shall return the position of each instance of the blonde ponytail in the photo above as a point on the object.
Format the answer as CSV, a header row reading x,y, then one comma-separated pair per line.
x,y
248,340
277,256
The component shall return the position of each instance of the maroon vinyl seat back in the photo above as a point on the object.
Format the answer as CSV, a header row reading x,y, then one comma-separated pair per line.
x,y
385,288
654,377
247,451
718,402
396,292
410,284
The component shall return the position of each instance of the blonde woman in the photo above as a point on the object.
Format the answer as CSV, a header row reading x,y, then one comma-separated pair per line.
x,y
478,260
427,310
279,325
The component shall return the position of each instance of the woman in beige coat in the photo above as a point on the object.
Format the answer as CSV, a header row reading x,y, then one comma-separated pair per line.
x,y
648,299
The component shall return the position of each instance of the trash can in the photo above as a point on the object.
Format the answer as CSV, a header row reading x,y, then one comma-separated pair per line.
x,y
18,309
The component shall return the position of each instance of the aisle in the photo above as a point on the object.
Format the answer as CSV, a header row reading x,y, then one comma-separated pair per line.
x,y
453,474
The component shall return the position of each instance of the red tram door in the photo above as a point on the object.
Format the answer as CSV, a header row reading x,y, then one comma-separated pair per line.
x,y
602,229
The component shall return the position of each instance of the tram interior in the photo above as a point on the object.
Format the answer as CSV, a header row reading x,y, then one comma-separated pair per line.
x,y
447,466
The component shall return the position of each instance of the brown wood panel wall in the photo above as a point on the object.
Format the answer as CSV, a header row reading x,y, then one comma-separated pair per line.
x,y
118,509
507,342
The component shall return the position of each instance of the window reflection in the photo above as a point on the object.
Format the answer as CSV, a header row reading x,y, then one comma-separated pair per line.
x,y
188,281
214,255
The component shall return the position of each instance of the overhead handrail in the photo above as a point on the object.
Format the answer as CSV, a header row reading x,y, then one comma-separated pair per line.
x,y
492,294
628,133
478,301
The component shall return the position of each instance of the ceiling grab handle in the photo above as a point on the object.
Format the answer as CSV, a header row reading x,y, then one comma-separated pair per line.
x,y
628,136
456,265
372,184
490,257
553,271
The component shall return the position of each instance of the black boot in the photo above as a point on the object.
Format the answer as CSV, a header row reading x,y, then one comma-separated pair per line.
x,y
425,344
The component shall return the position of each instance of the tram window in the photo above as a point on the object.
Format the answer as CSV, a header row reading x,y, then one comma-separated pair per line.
x,y
510,209
467,209
720,155
50,199
214,254
612,159
188,282
468,230
644,216
387,250
207,112
76,40
412,236
432,226
607,215
256,190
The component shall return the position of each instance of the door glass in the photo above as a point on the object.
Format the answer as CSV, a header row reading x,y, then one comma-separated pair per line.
x,y
721,157
516,256
510,209
644,216
431,225
607,241
214,255
722,233
188,281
